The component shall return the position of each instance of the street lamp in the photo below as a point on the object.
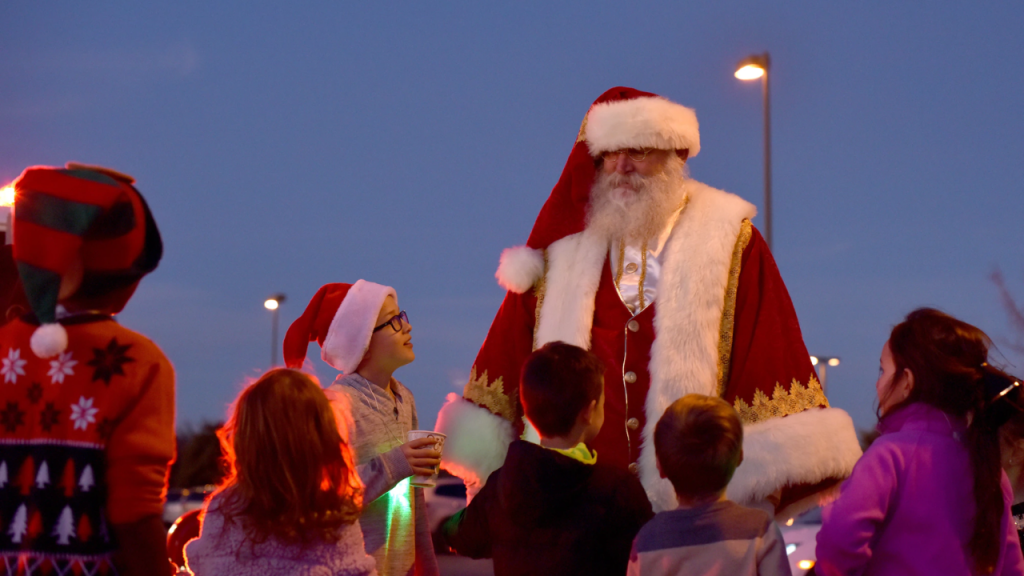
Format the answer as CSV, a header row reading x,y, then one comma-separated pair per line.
x,y
821,362
272,304
6,212
752,68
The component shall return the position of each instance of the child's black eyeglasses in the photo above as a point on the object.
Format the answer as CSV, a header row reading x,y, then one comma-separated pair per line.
x,y
395,322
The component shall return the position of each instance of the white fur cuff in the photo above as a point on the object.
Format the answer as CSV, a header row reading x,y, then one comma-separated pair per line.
x,y
804,448
477,441
520,268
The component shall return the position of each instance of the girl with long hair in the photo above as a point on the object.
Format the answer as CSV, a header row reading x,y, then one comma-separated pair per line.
x,y
928,496
292,497
1011,436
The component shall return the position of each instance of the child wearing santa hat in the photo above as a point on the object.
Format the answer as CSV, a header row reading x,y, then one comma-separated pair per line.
x,y
364,334
87,417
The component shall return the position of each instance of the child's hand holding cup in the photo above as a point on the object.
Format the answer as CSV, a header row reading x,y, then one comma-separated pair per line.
x,y
423,451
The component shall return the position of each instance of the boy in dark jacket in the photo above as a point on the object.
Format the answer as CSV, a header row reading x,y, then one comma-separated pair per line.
x,y
552,509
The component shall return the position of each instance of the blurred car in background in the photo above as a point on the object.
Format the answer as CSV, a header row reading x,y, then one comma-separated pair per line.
x,y
182,500
800,534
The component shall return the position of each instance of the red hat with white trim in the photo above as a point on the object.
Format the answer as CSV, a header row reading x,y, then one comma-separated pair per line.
x,y
87,215
340,318
620,118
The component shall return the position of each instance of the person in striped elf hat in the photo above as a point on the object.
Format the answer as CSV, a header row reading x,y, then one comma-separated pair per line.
x,y
86,405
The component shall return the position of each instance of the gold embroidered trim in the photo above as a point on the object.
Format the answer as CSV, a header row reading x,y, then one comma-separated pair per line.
x,y
643,274
539,288
583,129
782,403
729,310
490,395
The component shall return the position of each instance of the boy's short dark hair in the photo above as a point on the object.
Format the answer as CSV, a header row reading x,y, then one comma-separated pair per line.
x,y
557,382
699,441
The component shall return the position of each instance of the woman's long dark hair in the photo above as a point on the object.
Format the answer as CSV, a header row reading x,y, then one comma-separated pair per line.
x,y
948,360
291,473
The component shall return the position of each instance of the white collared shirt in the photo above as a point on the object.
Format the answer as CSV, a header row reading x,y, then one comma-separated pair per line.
x,y
633,268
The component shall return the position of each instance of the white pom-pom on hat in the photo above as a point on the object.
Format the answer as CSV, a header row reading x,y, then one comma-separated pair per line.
x,y
520,268
49,340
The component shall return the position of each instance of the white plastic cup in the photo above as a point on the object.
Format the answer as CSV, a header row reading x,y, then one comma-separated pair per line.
x,y
431,480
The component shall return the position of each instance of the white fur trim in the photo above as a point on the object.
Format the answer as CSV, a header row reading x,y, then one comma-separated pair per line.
x,y
352,326
520,267
49,340
803,448
649,122
574,273
530,433
477,441
690,301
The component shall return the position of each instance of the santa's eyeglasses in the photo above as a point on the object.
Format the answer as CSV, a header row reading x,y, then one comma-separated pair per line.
x,y
635,154
395,322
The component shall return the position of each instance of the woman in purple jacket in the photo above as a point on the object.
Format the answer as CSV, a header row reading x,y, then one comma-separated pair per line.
x,y
928,497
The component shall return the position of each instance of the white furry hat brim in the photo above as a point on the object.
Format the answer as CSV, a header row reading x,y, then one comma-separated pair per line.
x,y
647,122
348,338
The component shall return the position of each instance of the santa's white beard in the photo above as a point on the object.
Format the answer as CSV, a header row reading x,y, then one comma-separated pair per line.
x,y
641,213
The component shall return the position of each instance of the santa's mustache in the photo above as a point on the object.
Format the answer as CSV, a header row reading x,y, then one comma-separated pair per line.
x,y
623,189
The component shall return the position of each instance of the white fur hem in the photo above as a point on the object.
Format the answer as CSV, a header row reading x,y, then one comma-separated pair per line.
x,y
649,122
352,326
520,268
477,441
804,448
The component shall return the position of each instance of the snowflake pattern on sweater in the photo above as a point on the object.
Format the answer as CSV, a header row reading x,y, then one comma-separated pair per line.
x,y
63,477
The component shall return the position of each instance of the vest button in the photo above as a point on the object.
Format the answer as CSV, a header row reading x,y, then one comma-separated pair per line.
x,y
631,268
633,467
632,423
629,377
633,325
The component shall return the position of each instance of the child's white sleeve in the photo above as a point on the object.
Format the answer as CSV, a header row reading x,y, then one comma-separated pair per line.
x,y
773,560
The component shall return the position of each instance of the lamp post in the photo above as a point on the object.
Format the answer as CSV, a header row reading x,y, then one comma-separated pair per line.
x,y
822,362
752,68
272,304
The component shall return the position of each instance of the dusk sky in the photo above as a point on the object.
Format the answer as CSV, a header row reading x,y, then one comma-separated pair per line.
x,y
282,146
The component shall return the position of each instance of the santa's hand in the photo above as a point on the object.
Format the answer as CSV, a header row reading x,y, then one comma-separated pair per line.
x,y
422,456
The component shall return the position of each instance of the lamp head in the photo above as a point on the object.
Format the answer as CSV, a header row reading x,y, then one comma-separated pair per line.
x,y
274,301
7,195
752,67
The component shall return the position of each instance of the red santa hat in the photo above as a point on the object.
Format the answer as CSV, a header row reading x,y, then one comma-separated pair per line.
x,y
340,318
87,214
620,118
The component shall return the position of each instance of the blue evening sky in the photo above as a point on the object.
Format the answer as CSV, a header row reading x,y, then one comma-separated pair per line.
x,y
285,145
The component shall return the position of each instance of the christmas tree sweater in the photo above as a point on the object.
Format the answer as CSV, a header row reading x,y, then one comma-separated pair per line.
x,y
86,438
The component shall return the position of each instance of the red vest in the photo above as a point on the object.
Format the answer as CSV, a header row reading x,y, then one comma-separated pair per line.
x,y
623,342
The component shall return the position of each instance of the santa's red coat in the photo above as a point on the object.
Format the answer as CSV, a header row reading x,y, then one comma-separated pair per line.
x,y
722,324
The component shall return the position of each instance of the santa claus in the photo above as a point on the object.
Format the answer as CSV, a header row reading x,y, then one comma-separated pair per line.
x,y
667,281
